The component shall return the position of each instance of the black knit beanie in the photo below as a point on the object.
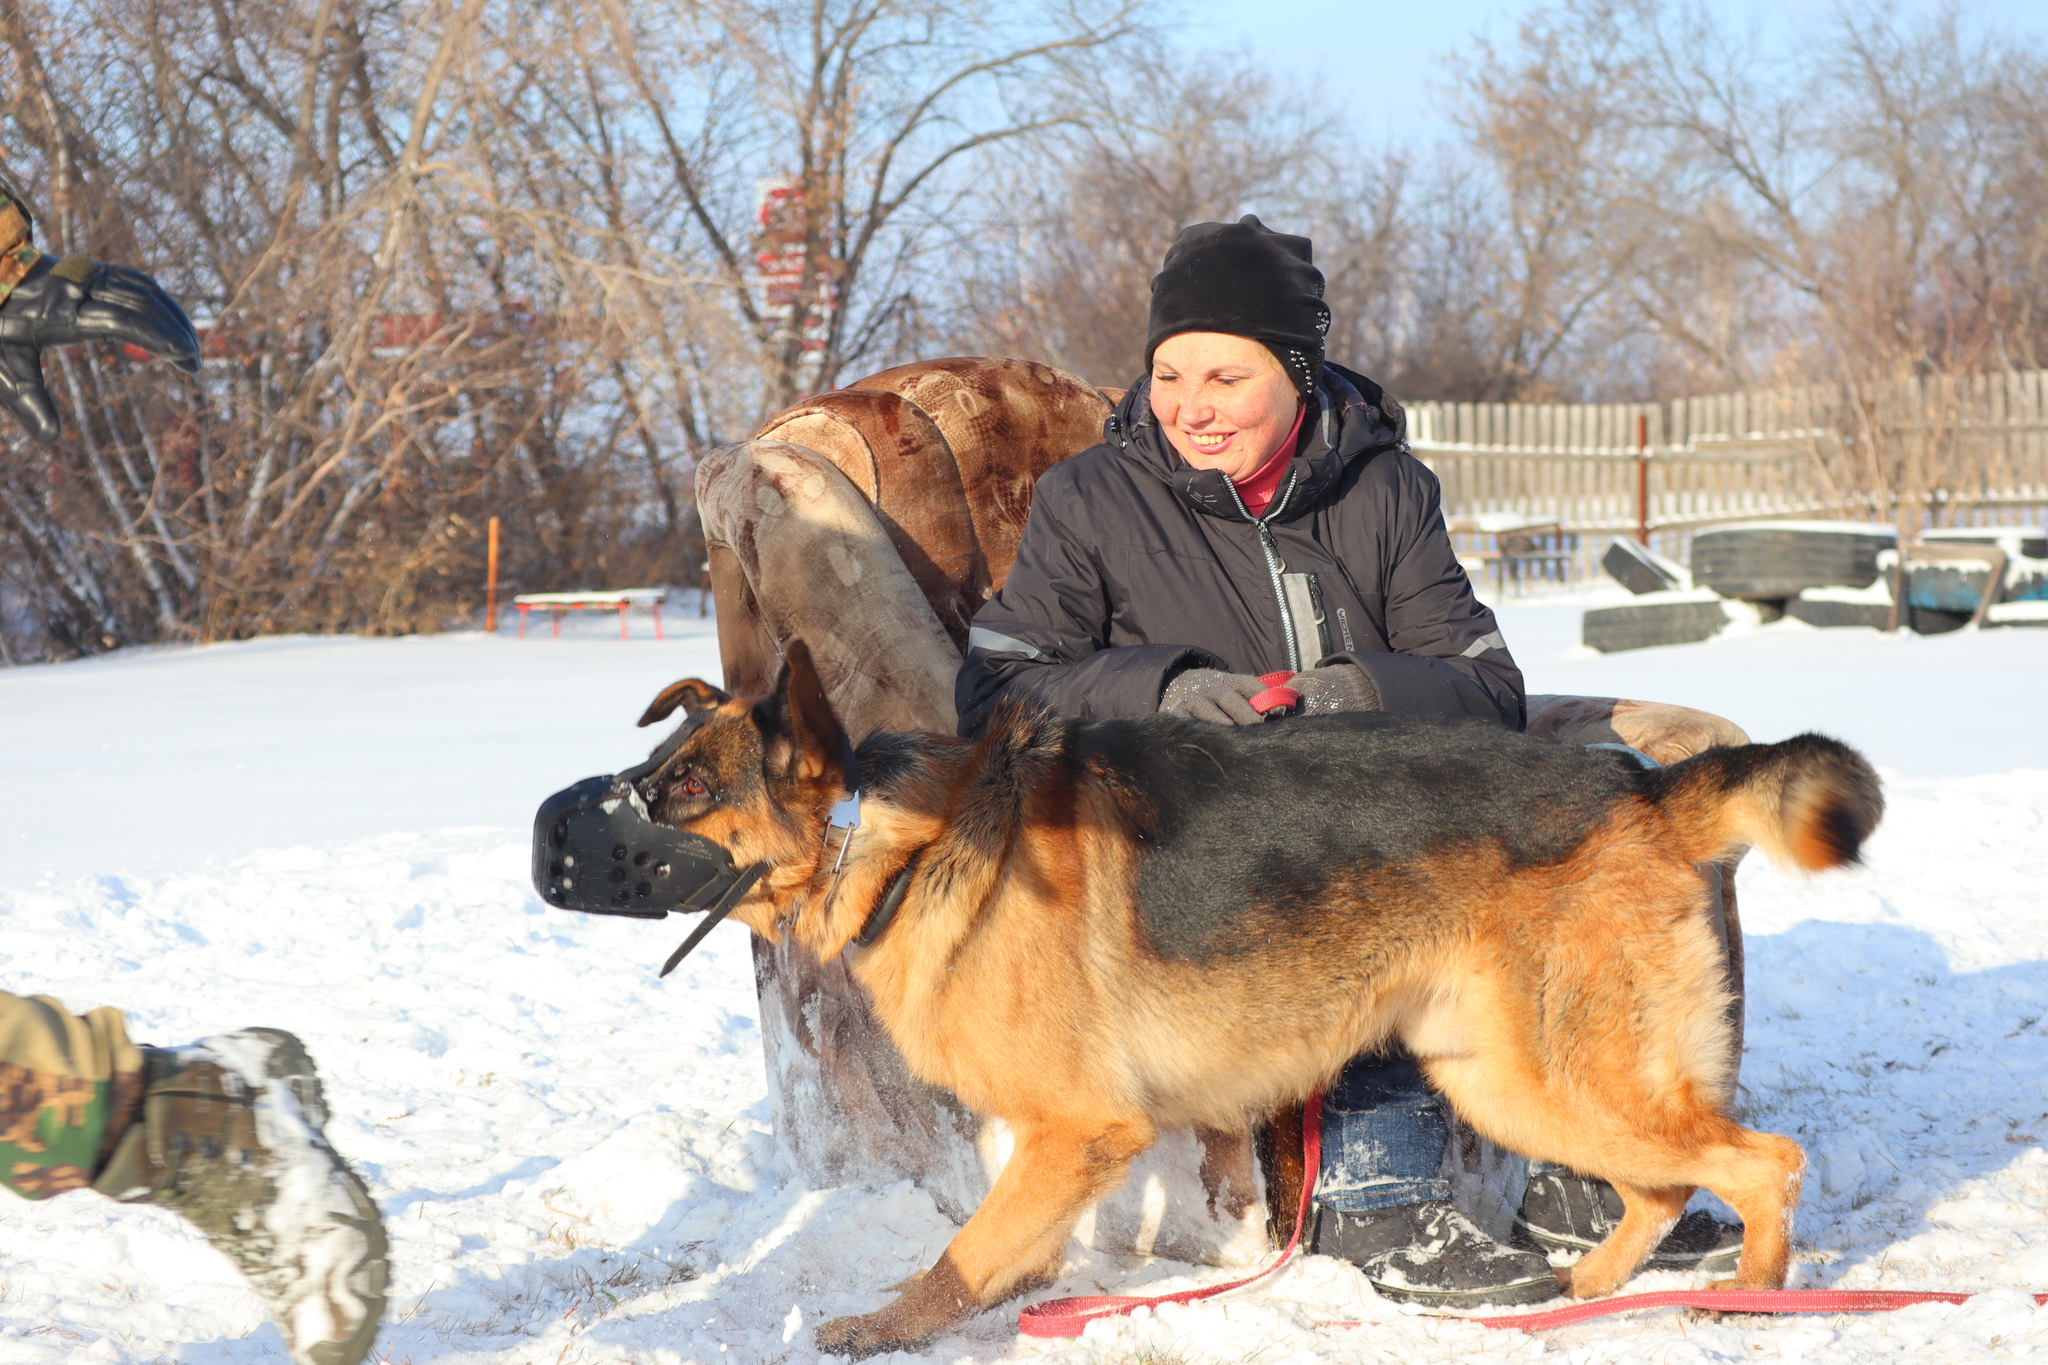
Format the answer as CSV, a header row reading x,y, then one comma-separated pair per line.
x,y
1244,279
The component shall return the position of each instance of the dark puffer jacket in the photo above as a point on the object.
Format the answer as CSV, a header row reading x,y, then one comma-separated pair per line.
x,y
1135,566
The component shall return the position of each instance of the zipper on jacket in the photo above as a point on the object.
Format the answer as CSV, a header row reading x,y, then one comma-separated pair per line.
x,y
1275,565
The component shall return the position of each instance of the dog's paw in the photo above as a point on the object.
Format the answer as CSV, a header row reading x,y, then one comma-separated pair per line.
x,y
1590,1280
867,1335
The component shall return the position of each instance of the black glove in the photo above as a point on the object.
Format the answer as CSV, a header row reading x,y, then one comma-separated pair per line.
x,y
76,299
1211,694
1335,687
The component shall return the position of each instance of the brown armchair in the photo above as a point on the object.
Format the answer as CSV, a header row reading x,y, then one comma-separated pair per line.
x,y
872,522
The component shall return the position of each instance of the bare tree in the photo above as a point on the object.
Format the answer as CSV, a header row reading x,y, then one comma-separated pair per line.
x,y
455,261
389,358
1065,236
1439,282
828,143
1862,211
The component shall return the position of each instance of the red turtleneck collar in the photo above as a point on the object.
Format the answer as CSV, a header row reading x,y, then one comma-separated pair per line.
x,y
1258,488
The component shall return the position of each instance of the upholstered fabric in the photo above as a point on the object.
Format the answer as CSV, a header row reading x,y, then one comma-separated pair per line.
x,y
1005,423
817,564
1666,733
946,452
894,454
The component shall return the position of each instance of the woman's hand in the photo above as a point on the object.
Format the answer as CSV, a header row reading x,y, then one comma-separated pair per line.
x,y
1335,687
77,299
1213,695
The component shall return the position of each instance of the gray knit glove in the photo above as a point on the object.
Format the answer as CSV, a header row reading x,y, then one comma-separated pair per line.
x,y
1335,687
1211,694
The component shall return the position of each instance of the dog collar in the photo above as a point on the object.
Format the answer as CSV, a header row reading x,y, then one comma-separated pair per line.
x,y
892,901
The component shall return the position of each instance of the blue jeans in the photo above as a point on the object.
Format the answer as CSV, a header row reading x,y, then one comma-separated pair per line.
x,y
1384,1134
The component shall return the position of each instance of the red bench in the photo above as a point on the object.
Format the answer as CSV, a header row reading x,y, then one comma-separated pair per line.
x,y
555,603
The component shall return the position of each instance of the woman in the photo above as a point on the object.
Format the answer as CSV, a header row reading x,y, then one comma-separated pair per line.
x,y
1252,509
1255,509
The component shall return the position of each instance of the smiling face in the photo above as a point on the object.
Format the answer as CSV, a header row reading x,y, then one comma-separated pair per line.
x,y
1223,401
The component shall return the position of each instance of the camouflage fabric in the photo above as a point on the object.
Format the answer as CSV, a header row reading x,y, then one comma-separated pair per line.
x,y
70,1086
16,255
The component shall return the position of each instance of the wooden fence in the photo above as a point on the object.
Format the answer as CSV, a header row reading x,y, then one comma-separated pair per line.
x,y
1535,491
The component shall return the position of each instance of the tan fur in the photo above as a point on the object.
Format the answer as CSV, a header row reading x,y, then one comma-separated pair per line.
x,y
1575,1011
1798,807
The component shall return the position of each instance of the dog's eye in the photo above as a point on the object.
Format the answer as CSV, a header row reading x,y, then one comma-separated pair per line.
x,y
693,786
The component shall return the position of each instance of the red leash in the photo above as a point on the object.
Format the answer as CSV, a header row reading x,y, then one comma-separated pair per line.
x,y
1727,1301
1067,1317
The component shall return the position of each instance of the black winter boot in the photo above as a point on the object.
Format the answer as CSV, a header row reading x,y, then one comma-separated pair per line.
x,y
1565,1215
1431,1253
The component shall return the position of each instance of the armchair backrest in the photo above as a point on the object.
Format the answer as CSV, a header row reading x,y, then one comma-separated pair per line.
x,y
947,451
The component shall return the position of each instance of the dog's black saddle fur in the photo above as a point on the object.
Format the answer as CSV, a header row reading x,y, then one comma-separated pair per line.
x,y
1271,816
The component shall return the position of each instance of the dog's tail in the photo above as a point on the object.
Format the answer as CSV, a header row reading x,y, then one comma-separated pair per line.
x,y
1808,803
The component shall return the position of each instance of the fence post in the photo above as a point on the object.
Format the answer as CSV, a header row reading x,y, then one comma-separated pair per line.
x,y
1642,478
491,583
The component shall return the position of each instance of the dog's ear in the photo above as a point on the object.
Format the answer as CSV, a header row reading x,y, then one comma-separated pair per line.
x,y
692,694
813,744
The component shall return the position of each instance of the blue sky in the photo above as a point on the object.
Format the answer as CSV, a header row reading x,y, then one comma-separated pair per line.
x,y
1402,44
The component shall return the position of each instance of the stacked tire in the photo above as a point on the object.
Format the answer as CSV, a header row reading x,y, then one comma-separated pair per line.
x,y
1773,562
1641,625
1641,569
1768,564
1833,615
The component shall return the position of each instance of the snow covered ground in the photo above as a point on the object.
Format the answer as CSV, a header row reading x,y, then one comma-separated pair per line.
x,y
329,835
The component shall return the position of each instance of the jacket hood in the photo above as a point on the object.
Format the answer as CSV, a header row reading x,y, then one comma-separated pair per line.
x,y
1351,419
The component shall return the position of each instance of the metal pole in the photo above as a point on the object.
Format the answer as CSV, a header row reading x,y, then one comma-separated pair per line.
x,y
491,585
1642,478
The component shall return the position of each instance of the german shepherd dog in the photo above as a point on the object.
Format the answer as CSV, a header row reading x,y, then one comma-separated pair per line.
x,y
1079,926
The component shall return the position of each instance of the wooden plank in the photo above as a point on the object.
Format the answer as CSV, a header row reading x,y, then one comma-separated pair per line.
x,y
2013,439
2036,477
2026,443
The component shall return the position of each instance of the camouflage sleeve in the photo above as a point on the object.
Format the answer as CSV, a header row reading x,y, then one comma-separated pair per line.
x,y
69,1086
16,255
